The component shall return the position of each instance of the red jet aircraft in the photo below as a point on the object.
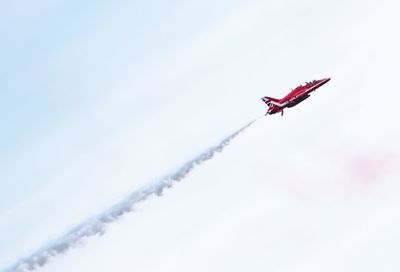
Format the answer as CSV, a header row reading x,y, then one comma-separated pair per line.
x,y
299,94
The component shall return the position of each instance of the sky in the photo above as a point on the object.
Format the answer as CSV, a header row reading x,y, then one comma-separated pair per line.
x,y
99,99
62,58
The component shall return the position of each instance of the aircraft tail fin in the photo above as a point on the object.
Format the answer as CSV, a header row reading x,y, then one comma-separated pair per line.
x,y
268,99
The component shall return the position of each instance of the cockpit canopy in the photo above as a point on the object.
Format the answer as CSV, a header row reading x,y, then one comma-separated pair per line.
x,y
310,82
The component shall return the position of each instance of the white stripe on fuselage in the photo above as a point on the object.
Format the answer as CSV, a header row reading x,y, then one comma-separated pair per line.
x,y
305,92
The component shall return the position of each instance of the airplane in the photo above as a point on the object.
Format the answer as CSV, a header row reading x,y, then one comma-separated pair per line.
x,y
299,94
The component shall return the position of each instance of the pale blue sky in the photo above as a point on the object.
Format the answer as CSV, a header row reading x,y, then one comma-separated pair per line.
x,y
57,57
100,98
37,85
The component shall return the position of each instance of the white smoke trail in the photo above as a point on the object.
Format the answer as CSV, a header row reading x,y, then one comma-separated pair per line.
x,y
97,225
